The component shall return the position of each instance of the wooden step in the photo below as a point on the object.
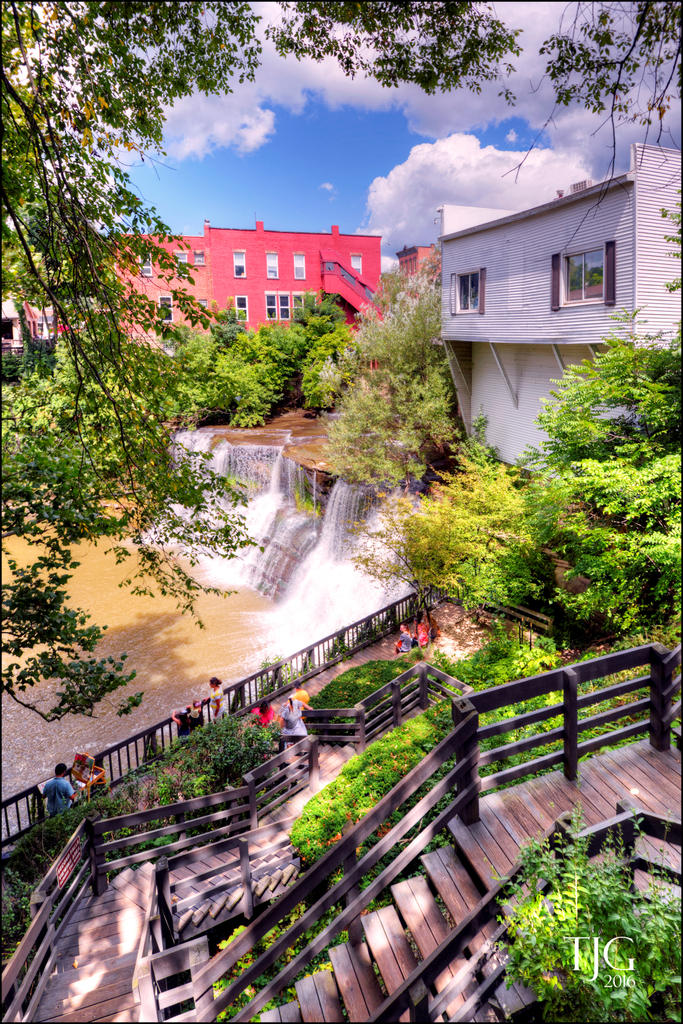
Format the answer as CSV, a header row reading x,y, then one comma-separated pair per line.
x,y
389,947
484,855
108,945
356,980
288,1012
62,997
95,967
452,881
428,926
120,1008
318,997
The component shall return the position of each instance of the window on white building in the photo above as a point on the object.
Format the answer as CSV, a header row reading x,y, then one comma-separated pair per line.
x,y
299,266
271,306
198,258
357,263
166,307
180,257
271,265
284,307
585,274
468,292
241,307
239,262
146,267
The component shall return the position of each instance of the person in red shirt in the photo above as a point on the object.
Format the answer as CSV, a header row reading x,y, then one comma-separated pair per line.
x,y
264,713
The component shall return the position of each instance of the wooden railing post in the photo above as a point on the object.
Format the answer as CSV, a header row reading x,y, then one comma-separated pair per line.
x,y
150,745
354,928
313,769
419,1002
571,723
660,703
462,710
253,806
145,985
245,872
36,902
360,709
163,884
98,874
396,702
424,685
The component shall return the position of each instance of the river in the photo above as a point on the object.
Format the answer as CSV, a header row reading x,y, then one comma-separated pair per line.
x,y
301,587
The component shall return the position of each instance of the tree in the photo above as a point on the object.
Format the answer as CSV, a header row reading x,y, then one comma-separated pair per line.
x,y
606,491
398,411
468,537
83,85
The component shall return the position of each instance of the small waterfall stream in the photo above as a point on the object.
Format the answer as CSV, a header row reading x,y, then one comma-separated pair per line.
x,y
301,558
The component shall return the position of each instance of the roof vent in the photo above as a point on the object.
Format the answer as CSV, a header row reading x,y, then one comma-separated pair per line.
x,y
579,186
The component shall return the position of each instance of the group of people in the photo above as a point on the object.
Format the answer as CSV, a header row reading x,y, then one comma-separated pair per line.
x,y
423,632
289,717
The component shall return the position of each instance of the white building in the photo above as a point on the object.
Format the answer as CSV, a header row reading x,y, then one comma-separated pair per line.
x,y
526,294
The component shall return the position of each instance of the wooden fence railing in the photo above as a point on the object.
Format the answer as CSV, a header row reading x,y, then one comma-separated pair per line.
x,y
414,997
653,714
650,713
229,813
21,810
52,904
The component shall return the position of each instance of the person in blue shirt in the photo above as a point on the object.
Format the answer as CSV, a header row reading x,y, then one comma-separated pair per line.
x,y
59,792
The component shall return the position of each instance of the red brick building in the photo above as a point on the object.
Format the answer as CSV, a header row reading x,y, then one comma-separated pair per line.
x,y
410,257
265,274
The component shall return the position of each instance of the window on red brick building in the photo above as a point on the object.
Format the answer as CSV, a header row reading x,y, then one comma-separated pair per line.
x,y
272,265
180,257
284,307
271,306
146,267
299,266
357,263
198,258
239,262
166,307
242,307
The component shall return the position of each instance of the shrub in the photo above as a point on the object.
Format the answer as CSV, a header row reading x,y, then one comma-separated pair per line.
x,y
594,898
365,779
501,660
356,683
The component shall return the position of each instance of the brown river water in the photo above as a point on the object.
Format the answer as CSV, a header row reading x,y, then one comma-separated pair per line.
x,y
172,656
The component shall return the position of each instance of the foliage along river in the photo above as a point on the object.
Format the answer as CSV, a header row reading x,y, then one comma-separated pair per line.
x,y
299,588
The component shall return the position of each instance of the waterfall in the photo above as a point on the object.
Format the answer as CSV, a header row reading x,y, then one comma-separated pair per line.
x,y
302,560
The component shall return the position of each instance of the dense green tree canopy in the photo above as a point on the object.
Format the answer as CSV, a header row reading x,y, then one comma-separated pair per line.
x,y
398,410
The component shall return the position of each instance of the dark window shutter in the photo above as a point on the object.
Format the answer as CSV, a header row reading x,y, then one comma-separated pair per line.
x,y
482,290
610,274
454,301
555,282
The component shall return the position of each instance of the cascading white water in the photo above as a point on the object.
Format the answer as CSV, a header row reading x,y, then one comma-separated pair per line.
x,y
299,558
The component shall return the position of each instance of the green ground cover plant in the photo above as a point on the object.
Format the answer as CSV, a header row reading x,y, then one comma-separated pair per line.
x,y
356,683
364,780
594,898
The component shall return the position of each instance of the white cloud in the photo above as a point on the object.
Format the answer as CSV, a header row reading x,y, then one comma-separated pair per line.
x,y
245,120
511,136
327,186
402,205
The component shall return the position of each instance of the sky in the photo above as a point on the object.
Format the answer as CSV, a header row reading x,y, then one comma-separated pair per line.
x,y
303,147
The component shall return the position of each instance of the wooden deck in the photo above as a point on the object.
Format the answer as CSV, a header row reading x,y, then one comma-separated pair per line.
x,y
92,980
426,908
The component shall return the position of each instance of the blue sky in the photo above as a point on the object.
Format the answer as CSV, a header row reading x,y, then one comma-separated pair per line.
x,y
304,147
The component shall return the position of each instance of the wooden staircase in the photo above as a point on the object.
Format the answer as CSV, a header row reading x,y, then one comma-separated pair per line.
x,y
424,911
93,973
202,901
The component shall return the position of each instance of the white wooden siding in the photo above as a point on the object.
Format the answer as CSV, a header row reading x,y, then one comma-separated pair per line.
x,y
531,370
658,178
517,258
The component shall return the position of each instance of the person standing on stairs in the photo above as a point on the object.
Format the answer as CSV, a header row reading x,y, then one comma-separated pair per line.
x,y
291,722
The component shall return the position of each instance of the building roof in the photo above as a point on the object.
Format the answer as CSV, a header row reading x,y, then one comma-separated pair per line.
x,y
621,181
